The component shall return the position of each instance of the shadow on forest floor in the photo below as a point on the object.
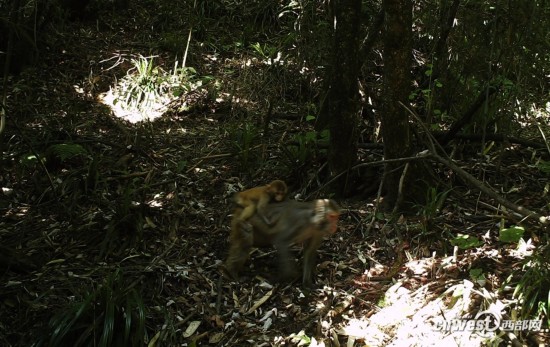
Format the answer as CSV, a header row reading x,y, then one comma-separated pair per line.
x,y
122,226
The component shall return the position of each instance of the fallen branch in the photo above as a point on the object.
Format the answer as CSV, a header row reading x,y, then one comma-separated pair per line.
x,y
447,161
524,212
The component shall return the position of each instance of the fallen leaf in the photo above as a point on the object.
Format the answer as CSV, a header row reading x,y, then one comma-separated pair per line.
x,y
215,338
193,326
260,302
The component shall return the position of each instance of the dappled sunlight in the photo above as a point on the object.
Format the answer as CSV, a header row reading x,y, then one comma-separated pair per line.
x,y
413,318
132,115
147,91
362,329
131,132
14,213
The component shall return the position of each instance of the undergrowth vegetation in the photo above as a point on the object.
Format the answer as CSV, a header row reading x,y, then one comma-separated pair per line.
x,y
129,133
110,314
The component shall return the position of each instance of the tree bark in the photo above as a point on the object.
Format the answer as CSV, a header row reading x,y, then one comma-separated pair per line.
x,y
341,109
396,88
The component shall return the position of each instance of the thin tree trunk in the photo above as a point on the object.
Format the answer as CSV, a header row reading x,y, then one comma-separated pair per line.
x,y
343,91
396,88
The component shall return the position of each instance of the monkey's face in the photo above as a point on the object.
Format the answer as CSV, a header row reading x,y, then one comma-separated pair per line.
x,y
279,195
278,190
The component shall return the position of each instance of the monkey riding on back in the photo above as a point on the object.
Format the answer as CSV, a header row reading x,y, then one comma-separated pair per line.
x,y
280,224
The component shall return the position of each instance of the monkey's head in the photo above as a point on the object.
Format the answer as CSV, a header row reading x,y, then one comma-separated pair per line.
x,y
278,190
326,215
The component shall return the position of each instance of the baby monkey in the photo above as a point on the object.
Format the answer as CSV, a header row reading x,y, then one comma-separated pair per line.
x,y
254,200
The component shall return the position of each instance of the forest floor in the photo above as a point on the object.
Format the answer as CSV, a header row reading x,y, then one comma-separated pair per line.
x,y
146,212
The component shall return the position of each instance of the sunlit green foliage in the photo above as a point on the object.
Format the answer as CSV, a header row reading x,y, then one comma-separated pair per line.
x,y
466,241
512,234
147,85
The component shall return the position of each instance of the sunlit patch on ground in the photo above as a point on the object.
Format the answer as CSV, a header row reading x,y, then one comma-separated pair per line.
x,y
131,114
147,90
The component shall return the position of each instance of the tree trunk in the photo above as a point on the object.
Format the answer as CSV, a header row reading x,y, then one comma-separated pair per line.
x,y
396,88
340,109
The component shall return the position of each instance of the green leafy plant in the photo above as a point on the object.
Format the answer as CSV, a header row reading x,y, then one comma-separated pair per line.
x,y
434,203
300,339
427,95
511,235
478,276
243,140
111,315
466,241
305,148
149,88
143,84
264,51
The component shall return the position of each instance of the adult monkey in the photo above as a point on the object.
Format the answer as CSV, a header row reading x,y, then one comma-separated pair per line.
x,y
290,222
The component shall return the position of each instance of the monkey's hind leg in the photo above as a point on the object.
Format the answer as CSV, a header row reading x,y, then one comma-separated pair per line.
x,y
239,250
